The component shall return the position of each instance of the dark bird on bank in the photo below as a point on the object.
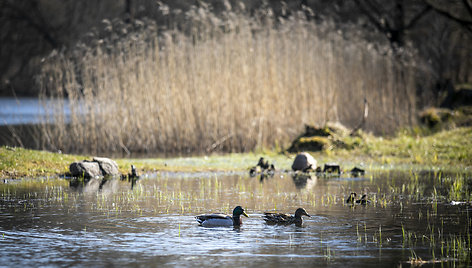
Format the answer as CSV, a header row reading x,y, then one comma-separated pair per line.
x,y
263,164
133,175
286,219
222,220
134,172
332,168
356,172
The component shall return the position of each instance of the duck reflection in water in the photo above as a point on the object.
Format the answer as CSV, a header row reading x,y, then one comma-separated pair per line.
x,y
265,176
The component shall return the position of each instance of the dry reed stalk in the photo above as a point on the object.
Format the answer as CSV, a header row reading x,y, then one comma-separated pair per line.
x,y
248,86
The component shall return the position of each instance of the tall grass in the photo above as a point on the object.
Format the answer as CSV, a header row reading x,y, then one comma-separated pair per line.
x,y
227,83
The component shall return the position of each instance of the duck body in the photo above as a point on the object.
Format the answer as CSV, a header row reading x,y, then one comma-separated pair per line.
x,y
285,219
363,200
222,220
215,220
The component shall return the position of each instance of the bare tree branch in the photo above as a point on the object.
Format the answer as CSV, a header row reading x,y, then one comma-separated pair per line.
x,y
418,17
466,24
468,6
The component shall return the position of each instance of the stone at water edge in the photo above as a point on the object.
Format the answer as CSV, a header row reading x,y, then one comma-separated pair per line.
x,y
108,166
100,166
87,169
303,161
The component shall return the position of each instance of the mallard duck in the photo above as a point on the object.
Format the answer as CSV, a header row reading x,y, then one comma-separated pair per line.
x,y
285,219
263,164
214,220
363,200
351,199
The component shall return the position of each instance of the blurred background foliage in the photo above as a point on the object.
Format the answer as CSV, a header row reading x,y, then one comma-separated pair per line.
x,y
439,31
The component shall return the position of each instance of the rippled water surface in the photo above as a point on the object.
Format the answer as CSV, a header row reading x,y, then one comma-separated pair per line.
x,y
151,222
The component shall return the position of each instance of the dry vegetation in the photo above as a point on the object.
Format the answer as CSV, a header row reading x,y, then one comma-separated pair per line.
x,y
229,83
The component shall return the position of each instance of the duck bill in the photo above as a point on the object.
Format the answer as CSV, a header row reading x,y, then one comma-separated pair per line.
x,y
307,215
244,213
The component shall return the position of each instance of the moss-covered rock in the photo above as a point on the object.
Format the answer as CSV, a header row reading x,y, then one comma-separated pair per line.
x,y
315,143
436,119
332,135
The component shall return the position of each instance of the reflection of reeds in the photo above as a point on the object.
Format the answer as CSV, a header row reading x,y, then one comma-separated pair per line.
x,y
232,84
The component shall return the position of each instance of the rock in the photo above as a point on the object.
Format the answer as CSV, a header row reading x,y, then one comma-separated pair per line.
x,y
86,169
314,144
100,166
320,138
108,166
304,162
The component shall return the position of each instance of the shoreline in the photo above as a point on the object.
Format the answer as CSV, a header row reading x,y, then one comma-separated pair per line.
x,y
449,150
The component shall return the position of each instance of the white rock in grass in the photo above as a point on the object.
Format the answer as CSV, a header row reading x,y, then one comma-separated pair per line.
x,y
304,161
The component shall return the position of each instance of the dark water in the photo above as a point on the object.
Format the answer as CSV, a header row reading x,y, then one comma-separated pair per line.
x,y
55,222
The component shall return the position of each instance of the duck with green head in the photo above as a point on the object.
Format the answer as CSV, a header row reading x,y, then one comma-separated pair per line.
x,y
218,220
286,219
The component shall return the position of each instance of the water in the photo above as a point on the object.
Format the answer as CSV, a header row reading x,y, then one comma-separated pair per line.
x,y
14,111
57,222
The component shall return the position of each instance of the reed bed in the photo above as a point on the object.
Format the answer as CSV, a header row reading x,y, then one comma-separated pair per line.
x,y
231,83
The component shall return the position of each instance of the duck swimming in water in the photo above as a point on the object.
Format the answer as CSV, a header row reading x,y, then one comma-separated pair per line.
x,y
363,200
352,199
286,219
222,220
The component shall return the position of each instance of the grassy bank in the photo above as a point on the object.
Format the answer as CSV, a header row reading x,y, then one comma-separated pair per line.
x,y
446,150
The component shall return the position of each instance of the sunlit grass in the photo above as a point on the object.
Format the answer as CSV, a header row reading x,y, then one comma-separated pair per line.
x,y
19,162
451,148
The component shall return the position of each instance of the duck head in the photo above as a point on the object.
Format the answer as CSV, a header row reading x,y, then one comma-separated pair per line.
x,y
238,211
301,212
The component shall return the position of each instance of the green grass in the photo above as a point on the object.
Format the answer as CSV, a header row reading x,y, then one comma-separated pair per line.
x,y
451,148
19,162
445,150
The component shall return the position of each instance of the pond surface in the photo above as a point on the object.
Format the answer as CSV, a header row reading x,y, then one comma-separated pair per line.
x,y
57,222
15,111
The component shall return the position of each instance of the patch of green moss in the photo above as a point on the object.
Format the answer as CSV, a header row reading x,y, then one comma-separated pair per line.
x,y
437,118
313,144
